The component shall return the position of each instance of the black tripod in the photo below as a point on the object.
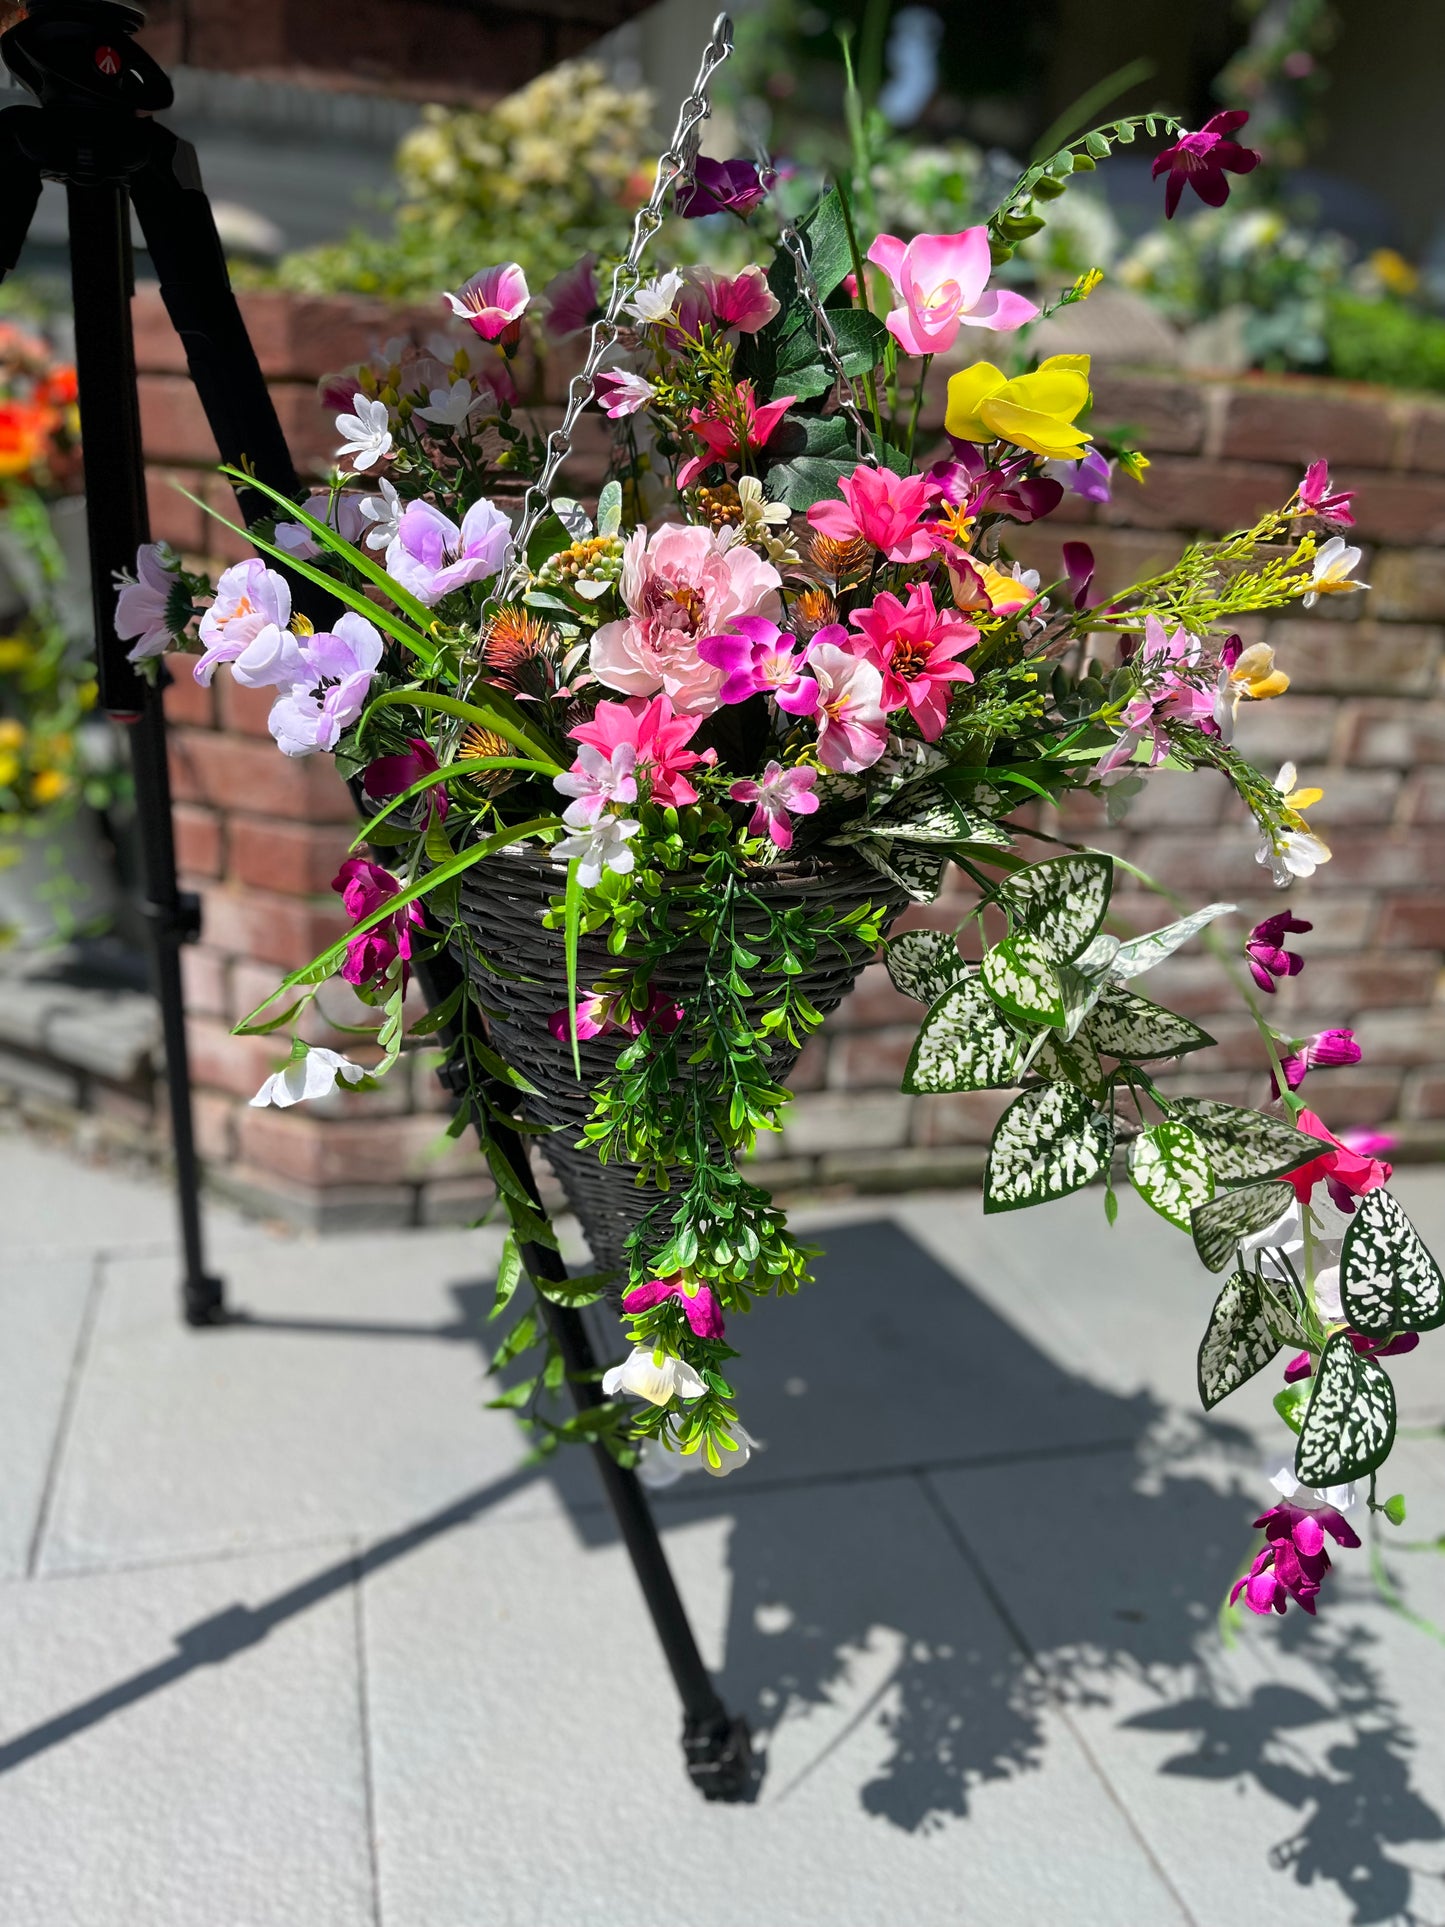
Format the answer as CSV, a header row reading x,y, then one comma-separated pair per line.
x,y
92,130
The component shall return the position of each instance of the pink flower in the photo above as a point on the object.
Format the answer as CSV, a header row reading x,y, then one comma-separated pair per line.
x,y
1320,1052
571,299
1167,696
1265,952
1302,1366
657,739
596,779
777,794
597,1017
431,556
619,392
885,509
1359,1137
940,282
337,670
1317,498
743,300
915,645
758,658
493,301
680,584
388,776
1293,1561
852,733
365,887
1347,1174
721,187
732,430
249,598
142,608
698,1302
1201,160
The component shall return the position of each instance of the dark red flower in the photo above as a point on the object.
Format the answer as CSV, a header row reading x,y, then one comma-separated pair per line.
x,y
721,187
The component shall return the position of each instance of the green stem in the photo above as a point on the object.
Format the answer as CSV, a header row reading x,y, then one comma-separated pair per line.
x,y
918,404
869,383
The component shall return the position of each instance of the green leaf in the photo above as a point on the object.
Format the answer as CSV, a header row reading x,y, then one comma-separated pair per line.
x,y
1068,1060
572,915
467,766
1389,1282
1170,1171
523,1335
1021,981
917,871
1125,1025
249,1029
1238,1340
440,1015
924,963
1243,1144
488,717
963,1045
1394,1508
1220,1226
1059,903
807,479
829,253
1350,1425
513,1398
1142,953
1048,1142
923,814
509,1273
609,509
585,1289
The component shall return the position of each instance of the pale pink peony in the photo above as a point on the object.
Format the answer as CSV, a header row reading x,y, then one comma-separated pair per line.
x,y
680,584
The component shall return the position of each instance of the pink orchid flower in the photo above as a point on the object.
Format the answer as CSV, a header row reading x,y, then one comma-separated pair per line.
x,y
743,300
852,733
915,645
1201,159
885,509
758,658
493,302
730,433
430,555
658,740
699,1302
1293,1562
1265,951
940,282
1347,1174
364,887
776,795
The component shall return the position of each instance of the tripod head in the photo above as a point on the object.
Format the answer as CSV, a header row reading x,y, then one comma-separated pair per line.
x,y
94,87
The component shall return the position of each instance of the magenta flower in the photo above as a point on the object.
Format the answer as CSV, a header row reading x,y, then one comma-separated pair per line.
x,y
493,302
916,646
1091,477
940,283
657,738
618,392
365,887
698,1302
1265,952
388,776
572,301
1324,1050
431,556
1301,1366
598,778
1293,1562
1318,499
731,432
721,187
965,480
1369,1143
1167,696
776,795
758,658
1202,159
249,599
743,300
885,509
852,732
597,1017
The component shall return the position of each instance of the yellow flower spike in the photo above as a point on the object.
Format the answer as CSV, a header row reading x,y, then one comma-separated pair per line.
x,y
12,732
1034,411
1086,283
1133,462
48,785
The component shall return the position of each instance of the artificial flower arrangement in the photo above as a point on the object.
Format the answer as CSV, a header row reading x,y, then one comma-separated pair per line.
x,y
663,775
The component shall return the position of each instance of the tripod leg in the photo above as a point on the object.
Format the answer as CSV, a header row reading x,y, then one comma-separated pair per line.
x,y
117,524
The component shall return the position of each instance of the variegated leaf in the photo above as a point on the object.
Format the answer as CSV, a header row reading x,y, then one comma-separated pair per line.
x,y
923,814
1048,1142
917,872
1094,961
1350,1421
1170,1171
979,828
1123,1024
1221,1226
1388,1280
1142,953
1066,1060
905,761
1080,994
963,1045
1060,902
924,963
1238,1341
1243,1144
1021,981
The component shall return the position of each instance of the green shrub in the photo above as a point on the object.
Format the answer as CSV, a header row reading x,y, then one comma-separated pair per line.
x,y
1385,341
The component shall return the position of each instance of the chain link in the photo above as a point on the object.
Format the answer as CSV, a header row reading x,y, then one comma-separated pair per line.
x,y
827,339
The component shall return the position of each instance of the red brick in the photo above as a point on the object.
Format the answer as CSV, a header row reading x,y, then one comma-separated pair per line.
x,y
1424,444
1424,1094
1402,1037
200,846
172,517
298,859
1159,413
186,752
186,701
244,710
1180,493
222,544
872,1060
1362,1095
1408,585
1397,735
1387,658
810,1073
1221,865
1414,922
285,931
173,423
1396,509
873,1001
214,1115
238,773
334,1151
1301,729
236,1065
1390,859
1302,424
1424,799
203,974
1337,987
959,1117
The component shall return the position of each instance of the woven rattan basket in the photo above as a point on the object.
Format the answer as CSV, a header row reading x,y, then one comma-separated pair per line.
x,y
502,902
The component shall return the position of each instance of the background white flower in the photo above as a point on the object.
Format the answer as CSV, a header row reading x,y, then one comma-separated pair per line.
x,y
384,513
367,432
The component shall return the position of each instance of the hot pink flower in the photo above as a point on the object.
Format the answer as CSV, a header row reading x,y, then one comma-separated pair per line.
x,y
727,433
777,794
680,584
619,392
493,301
852,733
915,646
597,1017
885,509
1347,1174
1317,498
572,300
758,658
364,887
721,187
657,739
1201,160
1293,1561
699,1304
940,283
388,776
1324,1050
743,300
1302,1366
1265,951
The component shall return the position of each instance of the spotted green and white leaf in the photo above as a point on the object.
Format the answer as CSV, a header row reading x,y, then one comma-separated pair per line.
x,y
924,963
1060,902
904,762
1171,1171
1065,1060
1021,981
1222,1225
1238,1341
1142,953
1094,961
964,1044
918,872
1350,1421
1243,1144
1125,1025
980,828
1388,1279
1080,994
1048,1142
923,814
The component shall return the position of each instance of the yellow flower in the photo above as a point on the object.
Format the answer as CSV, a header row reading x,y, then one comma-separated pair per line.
x,y
9,768
12,732
1295,799
1255,675
1086,283
14,653
48,785
1033,411
1133,462
1394,271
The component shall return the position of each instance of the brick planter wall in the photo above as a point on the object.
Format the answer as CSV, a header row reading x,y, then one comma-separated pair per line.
x,y
1365,718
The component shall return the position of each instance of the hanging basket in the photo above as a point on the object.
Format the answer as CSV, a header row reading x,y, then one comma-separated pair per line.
x,y
502,904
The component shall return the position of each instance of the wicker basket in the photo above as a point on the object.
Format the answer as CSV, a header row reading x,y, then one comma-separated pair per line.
x,y
502,902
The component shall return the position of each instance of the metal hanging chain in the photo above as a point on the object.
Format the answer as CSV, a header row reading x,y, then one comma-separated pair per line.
x,y
827,340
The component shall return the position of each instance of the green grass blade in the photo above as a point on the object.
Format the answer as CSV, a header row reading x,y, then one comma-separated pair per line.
x,y
484,718
466,766
573,919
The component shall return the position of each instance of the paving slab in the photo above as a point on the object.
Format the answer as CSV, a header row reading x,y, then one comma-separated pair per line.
x,y
43,1308
525,1734
178,1749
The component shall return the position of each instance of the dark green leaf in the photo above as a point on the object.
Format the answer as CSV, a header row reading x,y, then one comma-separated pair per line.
x,y
1350,1425
1048,1142
924,963
963,1045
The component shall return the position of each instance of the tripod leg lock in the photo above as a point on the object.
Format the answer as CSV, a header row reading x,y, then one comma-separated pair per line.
x,y
719,1756
178,922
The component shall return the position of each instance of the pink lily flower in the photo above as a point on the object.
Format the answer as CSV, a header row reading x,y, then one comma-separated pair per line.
x,y
657,738
597,1017
1320,1052
1293,1561
1317,498
727,435
758,658
1265,952
388,776
364,886
699,1303
916,646
777,794
572,301
885,509
1201,159
743,300
618,392
493,302
940,282
1347,1174
852,733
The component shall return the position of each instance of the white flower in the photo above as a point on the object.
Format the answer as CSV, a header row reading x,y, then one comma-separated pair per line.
x,y
1328,1303
384,513
1333,565
599,846
367,432
1341,1497
1297,854
313,1075
659,1378
450,406
656,300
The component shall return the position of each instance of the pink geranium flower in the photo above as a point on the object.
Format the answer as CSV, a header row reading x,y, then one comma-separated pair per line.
x,y
699,1303
776,795
852,732
571,299
885,509
1168,696
940,283
1347,1174
364,887
597,779
916,646
1331,506
1201,159
656,739
493,301
728,431
743,300
679,584
336,671
758,658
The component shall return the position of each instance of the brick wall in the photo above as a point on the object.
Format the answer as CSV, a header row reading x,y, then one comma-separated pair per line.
x,y
1365,718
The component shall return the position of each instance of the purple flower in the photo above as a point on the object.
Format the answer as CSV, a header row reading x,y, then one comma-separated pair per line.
x,y
595,780
1317,498
778,794
1264,949
1320,1052
1079,574
1201,159
758,658
965,481
249,598
721,187
431,556
364,887
388,776
1293,1562
338,667
142,607
1091,477
699,1304
1302,1365
572,301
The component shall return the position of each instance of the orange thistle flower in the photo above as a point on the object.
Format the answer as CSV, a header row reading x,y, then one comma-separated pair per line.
x,y
514,638
486,742
814,609
843,561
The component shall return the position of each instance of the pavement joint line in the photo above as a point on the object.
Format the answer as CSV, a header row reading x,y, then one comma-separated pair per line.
x,y
64,1418
363,1708
181,1560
